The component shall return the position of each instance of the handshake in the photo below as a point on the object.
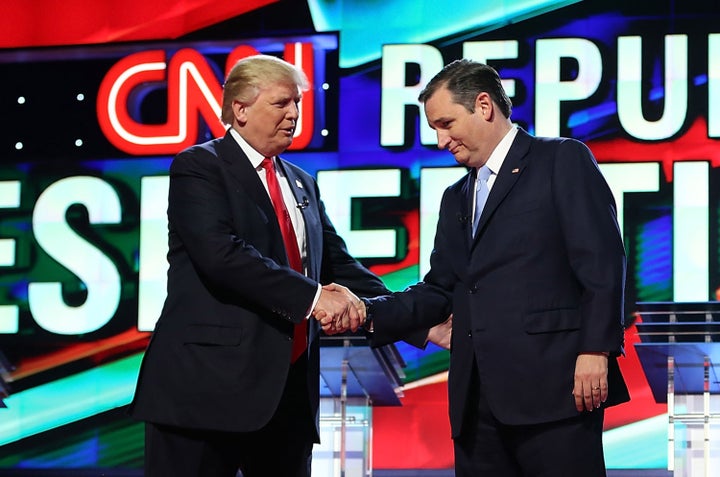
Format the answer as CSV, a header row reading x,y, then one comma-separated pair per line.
x,y
339,310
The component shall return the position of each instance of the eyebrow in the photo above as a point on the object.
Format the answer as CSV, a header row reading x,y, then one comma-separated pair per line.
x,y
441,119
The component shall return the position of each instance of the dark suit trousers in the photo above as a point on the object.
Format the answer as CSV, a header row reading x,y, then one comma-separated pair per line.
x,y
283,447
567,448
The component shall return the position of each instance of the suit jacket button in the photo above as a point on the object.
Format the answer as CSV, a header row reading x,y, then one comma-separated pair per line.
x,y
469,333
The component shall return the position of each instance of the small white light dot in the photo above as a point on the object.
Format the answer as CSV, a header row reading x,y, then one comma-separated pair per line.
x,y
21,99
78,142
324,132
80,97
18,145
325,86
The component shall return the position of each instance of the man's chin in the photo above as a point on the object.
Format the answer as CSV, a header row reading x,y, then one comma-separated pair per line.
x,y
283,143
461,159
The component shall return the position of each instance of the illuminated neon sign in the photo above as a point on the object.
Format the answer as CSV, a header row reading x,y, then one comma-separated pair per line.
x,y
400,85
101,282
193,91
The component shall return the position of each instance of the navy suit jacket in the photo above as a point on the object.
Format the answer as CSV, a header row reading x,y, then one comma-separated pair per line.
x,y
220,353
541,281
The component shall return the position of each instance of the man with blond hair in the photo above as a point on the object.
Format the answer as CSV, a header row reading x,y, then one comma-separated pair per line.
x,y
230,379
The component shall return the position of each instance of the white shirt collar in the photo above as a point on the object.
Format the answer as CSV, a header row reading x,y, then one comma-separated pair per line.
x,y
255,157
498,155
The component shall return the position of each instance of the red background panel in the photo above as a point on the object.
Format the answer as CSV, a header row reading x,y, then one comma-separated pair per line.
x,y
71,22
416,435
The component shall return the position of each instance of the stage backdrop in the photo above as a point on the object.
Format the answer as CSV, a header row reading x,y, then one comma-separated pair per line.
x,y
96,100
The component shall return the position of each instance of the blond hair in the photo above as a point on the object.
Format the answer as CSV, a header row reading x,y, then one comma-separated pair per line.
x,y
249,75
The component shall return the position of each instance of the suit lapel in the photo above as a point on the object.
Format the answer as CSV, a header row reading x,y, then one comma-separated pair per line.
x,y
510,171
241,170
242,173
238,166
299,189
313,228
302,192
466,206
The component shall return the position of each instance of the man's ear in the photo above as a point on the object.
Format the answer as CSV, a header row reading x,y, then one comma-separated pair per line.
x,y
484,105
239,111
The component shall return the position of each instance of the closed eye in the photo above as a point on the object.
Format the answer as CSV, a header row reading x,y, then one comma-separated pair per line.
x,y
284,103
441,123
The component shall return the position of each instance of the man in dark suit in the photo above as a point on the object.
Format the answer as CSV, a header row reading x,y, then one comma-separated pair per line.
x,y
218,388
535,282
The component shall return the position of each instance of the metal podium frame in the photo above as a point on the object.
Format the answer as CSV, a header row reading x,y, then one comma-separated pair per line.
x,y
354,376
680,355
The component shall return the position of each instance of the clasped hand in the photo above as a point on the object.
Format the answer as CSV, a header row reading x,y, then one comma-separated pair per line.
x,y
338,310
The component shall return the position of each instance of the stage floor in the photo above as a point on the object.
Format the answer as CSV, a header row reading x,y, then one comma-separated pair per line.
x,y
450,473
376,473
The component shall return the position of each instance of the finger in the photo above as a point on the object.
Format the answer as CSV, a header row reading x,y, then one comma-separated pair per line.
x,y
327,328
339,325
345,320
579,405
325,316
583,397
588,396
579,402
334,287
325,321
596,392
578,395
360,308
354,318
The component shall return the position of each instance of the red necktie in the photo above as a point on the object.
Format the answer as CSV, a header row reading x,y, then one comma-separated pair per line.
x,y
291,247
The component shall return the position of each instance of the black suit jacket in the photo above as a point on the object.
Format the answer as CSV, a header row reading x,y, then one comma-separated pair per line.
x,y
220,353
542,281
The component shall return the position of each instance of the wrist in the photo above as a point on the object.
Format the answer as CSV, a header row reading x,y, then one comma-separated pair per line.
x,y
597,353
368,324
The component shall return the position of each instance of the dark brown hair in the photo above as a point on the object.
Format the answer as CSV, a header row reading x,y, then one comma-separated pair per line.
x,y
465,79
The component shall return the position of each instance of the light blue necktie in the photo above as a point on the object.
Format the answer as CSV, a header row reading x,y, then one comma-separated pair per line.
x,y
481,195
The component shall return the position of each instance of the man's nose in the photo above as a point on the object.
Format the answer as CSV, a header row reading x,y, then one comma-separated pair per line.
x,y
293,111
443,140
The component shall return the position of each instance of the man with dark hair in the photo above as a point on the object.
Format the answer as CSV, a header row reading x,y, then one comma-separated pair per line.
x,y
529,258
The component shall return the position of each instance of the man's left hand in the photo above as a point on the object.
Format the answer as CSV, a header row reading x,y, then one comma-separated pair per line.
x,y
591,385
441,334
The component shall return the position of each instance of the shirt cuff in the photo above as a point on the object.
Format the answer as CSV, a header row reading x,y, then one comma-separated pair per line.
x,y
368,325
315,300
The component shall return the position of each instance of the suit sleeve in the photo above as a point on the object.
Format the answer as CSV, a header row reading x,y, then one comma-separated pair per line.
x,y
588,218
340,267
421,306
231,265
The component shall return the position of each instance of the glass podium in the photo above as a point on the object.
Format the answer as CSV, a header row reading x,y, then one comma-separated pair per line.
x,y
353,379
680,355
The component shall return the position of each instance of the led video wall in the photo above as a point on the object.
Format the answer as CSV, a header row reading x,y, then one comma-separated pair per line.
x,y
88,133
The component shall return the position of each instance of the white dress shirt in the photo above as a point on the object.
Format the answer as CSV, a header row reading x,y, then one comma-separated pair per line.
x,y
496,159
289,198
290,202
